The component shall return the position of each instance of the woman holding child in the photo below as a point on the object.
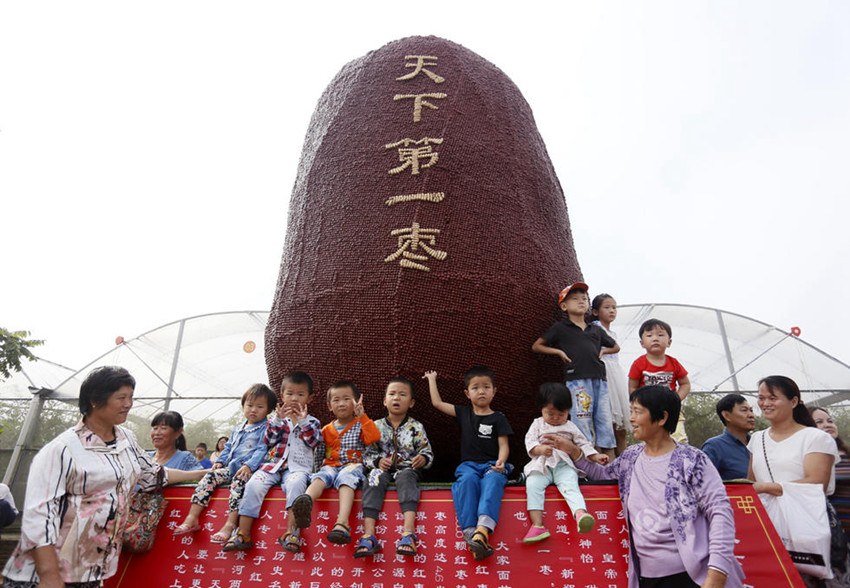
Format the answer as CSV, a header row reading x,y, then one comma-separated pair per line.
x,y
78,491
681,526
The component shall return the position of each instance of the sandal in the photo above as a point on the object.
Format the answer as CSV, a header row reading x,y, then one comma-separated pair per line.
x,y
368,545
407,544
183,529
291,542
302,509
479,546
237,542
340,534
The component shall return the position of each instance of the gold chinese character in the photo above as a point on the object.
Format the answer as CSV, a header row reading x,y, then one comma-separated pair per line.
x,y
419,67
409,241
424,196
410,156
418,102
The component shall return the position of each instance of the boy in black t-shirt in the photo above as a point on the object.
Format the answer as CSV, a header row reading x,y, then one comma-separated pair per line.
x,y
481,477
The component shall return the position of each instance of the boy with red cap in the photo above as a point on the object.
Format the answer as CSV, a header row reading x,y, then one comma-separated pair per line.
x,y
579,345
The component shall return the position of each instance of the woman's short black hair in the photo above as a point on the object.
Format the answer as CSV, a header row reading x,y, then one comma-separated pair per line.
x,y
556,394
173,419
100,384
658,400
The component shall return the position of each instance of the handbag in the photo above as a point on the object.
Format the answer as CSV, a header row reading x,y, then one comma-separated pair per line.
x,y
146,510
800,517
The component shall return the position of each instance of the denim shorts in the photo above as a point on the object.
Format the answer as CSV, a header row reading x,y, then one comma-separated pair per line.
x,y
351,475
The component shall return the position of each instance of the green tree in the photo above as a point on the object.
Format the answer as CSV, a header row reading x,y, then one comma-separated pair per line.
x,y
14,347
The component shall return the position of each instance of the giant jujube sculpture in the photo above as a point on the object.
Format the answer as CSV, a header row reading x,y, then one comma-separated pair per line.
x,y
427,230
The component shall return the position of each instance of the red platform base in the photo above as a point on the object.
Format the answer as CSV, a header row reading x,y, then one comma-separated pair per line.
x,y
567,559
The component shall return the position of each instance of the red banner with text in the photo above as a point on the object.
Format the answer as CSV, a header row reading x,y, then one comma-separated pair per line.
x,y
567,559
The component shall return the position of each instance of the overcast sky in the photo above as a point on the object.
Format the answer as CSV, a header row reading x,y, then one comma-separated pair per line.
x,y
148,150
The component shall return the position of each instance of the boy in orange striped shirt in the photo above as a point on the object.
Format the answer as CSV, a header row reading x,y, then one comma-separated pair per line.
x,y
345,439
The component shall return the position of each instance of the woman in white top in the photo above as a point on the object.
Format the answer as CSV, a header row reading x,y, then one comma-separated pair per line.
x,y
792,449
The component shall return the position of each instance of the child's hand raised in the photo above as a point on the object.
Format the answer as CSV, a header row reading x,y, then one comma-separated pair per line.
x,y
430,375
301,413
281,410
358,408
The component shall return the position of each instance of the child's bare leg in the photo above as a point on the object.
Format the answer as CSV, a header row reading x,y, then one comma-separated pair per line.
x,y
315,489
409,521
290,521
230,524
245,524
620,436
369,526
194,514
536,517
346,502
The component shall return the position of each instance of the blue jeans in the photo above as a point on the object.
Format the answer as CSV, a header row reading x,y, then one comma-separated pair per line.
x,y
294,484
351,475
477,493
591,411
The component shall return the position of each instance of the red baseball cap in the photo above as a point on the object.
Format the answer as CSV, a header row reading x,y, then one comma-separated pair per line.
x,y
566,291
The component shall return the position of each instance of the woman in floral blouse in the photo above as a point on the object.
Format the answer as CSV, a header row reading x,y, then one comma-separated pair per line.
x,y
78,492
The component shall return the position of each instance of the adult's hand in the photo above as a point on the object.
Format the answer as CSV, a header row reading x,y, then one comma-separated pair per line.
x,y
714,579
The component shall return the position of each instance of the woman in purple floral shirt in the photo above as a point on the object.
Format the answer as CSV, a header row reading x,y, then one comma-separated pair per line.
x,y
681,526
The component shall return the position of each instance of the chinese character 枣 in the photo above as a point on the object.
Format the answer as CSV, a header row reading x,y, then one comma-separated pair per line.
x,y
411,240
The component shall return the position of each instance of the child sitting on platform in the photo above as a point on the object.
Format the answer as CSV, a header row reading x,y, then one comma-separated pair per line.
x,y
242,454
345,439
550,465
481,477
399,456
291,437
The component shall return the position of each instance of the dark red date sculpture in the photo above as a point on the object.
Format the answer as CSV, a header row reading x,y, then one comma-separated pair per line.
x,y
427,230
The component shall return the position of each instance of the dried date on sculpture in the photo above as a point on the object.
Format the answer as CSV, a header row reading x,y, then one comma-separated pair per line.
x,y
427,230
